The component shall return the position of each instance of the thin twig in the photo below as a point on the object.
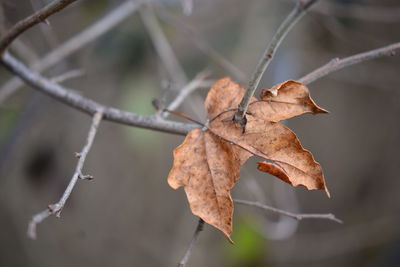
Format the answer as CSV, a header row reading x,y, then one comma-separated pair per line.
x,y
88,105
297,13
197,82
21,49
163,47
39,16
55,209
297,216
337,64
100,27
47,31
193,35
184,116
188,252
68,75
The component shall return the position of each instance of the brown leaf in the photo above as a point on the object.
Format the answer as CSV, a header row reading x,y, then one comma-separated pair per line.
x,y
207,162
285,172
277,143
285,100
207,167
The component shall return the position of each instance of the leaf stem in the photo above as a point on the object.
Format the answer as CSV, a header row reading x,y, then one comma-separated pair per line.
x,y
297,13
187,117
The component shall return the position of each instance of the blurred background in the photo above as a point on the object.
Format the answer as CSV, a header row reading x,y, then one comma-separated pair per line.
x,y
129,216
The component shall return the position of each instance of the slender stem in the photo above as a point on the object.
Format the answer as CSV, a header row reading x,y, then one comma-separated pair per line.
x,y
297,216
184,116
194,84
163,47
47,32
55,209
193,35
39,16
68,75
188,252
291,20
80,40
89,106
337,64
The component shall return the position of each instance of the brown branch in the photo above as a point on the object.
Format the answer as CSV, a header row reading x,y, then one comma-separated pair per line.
x,y
18,47
39,16
337,64
100,27
55,209
47,32
297,13
89,106
188,252
297,216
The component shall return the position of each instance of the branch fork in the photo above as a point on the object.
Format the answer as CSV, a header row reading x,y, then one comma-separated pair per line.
x,y
56,208
297,13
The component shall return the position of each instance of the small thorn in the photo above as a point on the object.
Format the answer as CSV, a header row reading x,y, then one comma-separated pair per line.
x,y
86,177
156,104
77,155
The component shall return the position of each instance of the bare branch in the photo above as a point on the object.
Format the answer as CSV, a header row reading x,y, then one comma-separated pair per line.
x,y
100,27
337,64
55,209
21,49
188,252
46,31
193,35
89,106
291,20
68,75
39,16
163,48
297,216
197,82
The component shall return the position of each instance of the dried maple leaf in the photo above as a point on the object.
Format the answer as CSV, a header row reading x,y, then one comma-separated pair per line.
x,y
208,168
286,100
207,163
